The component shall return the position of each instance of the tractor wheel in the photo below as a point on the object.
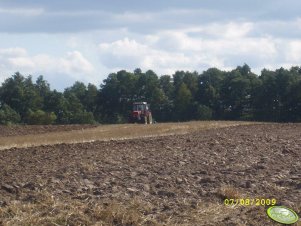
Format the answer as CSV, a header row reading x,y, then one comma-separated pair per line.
x,y
149,119
144,120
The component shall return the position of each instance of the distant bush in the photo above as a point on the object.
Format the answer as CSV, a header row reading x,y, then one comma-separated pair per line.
x,y
204,113
83,117
40,117
8,115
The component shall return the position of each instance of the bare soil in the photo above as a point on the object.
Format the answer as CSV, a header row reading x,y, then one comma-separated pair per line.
x,y
172,180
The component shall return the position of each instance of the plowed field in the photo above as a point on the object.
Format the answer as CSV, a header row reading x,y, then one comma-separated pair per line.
x,y
179,179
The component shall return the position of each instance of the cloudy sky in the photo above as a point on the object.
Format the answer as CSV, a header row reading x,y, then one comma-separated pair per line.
x,y
69,40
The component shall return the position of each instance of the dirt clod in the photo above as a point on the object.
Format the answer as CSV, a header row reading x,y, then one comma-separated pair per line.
x,y
8,188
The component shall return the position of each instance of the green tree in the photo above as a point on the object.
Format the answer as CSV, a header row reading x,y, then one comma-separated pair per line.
x,y
244,70
183,102
42,87
20,94
209,91
293,105
238,95
91,95
273,99
264,98
115,98
57,103
75,112
191,80
167,85
8,115
178,79
78,89
235,95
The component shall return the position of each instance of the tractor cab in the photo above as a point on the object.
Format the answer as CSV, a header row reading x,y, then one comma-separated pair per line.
x,y
140,106
141,113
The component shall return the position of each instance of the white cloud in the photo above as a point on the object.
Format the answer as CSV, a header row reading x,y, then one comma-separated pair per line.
x,y
20,52
131,17
73,65
229,30
22,11
129,54
294,52
19,59
74,62
21,62
220,29
172,50
72,42
197,47
122,47
215,37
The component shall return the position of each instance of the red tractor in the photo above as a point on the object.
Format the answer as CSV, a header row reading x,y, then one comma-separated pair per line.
x,y
141,113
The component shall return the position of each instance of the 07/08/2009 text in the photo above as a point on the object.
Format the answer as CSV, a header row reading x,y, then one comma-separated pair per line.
x,y
250,202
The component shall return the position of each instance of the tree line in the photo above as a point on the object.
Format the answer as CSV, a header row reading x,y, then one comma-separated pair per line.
x,y
212,95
